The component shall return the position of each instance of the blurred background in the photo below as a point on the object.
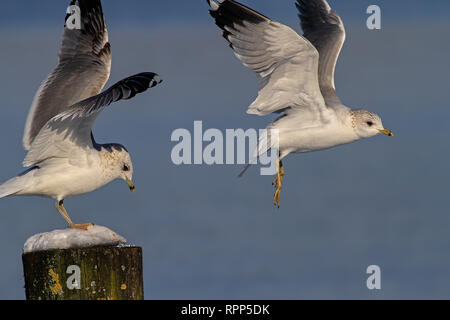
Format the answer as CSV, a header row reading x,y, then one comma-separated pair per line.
x,y
207,234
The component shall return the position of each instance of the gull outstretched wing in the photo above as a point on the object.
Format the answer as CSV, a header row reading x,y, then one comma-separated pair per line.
x,y
65,134
325,30
82,71
285,62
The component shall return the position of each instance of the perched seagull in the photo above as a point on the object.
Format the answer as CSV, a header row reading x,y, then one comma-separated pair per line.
x,y
296,78
63,158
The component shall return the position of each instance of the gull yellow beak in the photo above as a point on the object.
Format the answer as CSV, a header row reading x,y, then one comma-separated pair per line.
x,y
131,185
387,132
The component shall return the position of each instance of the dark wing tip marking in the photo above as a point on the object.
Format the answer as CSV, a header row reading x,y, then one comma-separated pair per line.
x,y
138,83
122,90
316,13
230,12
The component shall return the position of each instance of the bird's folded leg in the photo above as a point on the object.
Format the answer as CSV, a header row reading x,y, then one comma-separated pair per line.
x,y
63,212
279,177
278,183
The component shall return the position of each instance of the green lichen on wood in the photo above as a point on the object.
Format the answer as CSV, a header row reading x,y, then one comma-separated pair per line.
x,y
106,273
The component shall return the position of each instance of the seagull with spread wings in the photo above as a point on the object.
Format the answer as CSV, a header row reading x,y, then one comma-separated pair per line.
x,y
296,78
63,158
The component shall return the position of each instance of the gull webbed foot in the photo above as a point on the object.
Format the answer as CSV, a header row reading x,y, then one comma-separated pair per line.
x,y
81,226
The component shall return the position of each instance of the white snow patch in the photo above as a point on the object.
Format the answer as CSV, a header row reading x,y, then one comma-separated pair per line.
x,y
73,238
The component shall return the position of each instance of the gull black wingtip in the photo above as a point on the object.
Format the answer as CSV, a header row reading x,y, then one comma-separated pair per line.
x,y
146,79
234,11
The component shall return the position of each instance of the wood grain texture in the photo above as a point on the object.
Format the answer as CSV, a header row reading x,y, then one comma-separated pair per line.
x,y
106,273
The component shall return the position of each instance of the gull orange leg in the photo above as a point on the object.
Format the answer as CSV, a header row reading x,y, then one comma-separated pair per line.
x,y
278,183
63,212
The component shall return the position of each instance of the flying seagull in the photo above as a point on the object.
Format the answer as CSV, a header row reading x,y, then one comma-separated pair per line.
x,y
296,78
63,158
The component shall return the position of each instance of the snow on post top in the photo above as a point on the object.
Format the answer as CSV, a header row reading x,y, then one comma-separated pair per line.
x,y
73,239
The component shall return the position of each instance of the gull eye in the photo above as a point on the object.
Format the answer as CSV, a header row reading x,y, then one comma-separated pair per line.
x,y
126,168
369,123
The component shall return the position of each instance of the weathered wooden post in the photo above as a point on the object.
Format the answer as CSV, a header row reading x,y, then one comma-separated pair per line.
x,y
82,265
98,273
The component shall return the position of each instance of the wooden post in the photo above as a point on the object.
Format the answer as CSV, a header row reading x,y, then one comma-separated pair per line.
x,y
98,273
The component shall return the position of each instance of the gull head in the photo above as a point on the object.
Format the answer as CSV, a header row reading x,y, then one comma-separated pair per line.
x,y
368,124
118,164
126,169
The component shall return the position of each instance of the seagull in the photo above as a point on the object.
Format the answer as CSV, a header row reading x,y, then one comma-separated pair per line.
x,y
63,159
296,79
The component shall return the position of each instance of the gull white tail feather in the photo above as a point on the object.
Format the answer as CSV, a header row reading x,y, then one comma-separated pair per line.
x,y
15,185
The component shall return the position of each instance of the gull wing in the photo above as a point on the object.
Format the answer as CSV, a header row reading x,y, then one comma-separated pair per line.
x,y
325,30
285,62
82,71
68,134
